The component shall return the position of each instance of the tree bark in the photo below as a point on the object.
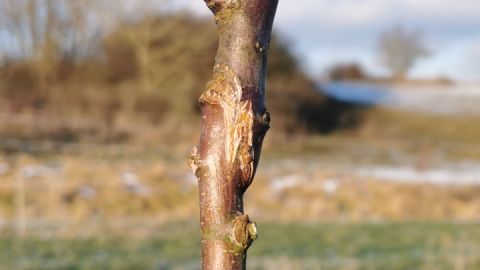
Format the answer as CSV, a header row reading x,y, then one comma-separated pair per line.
x,y
234,123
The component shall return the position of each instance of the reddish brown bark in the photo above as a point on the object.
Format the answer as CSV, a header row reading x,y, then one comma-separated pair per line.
x,y
234,123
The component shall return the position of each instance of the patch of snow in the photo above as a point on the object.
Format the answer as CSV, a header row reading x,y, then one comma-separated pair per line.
x,y
330,187
33,171
87,192
4,168
439,100
407,174
288,181
132,183
129,179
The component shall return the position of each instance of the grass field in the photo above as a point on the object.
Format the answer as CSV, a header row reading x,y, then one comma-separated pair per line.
x,y
413,245
75,183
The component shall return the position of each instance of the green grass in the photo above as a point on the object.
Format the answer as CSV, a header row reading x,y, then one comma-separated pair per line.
x,y
280,246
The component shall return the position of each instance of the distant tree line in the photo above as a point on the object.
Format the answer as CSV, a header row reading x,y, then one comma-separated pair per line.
x,y
145,67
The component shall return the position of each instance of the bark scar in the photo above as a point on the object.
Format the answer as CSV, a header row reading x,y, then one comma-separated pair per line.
x,y
225,90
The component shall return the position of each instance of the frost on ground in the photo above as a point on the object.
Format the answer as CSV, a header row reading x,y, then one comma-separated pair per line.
x,y
438,99
459,175
453,173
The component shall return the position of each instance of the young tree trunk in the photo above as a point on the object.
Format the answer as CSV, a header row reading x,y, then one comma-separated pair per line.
x,y
234,123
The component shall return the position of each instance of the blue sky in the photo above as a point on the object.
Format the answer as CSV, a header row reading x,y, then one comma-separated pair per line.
x,y
325,32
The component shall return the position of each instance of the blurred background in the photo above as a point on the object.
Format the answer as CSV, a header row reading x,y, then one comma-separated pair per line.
x,y
372,161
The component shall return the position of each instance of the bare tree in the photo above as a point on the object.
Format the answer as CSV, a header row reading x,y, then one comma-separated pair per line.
x,y
400,49
44,31
140,18
234,123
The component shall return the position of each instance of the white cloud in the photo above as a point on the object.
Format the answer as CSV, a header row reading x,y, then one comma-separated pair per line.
x,y
363,12
445,9
325,13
